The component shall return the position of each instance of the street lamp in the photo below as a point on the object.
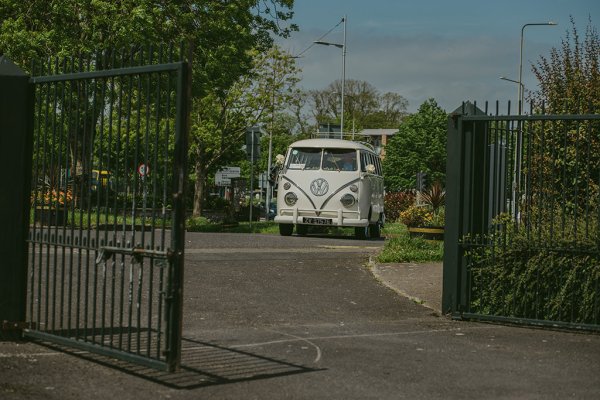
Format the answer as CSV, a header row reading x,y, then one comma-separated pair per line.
x,y
519,142
513,81
517,151
520,97
343,47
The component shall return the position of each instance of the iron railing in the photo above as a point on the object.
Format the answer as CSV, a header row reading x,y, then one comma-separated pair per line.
x,y
523,218
106,242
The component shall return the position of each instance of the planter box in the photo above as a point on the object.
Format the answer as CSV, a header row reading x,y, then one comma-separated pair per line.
x,y
50,216
429,232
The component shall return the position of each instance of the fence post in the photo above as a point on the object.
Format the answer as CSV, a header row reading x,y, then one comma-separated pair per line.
x,y
454,158
16,134
466,148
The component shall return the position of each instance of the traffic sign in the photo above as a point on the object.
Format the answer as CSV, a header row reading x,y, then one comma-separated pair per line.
x,y
143,170
224,175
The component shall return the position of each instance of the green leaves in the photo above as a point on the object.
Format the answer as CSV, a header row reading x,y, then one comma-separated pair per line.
x,y
570,79
364,106
538,283
420,145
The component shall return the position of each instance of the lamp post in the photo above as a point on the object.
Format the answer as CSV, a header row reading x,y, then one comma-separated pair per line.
x,y
343,47
517,151
520,96
519,142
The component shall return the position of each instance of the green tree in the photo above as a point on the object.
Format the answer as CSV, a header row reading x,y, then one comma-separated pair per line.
x,y
225,37
419,145
221,119
565,155
569,79
364,105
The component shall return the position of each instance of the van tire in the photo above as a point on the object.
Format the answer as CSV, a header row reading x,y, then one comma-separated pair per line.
x,y
375,230
361,232
286,229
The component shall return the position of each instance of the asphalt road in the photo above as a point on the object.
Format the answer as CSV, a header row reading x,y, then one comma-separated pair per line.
x,y
269,317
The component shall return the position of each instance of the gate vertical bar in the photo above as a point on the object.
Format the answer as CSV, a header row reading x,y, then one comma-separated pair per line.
x,y
16,133
175,291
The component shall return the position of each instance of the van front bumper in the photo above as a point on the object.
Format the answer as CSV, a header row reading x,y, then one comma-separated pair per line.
x,y
325,218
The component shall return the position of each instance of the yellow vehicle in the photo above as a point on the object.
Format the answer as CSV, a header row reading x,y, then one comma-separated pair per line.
x,y
100,178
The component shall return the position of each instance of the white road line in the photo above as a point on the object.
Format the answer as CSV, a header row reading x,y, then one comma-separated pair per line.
x,y
340,249
360,335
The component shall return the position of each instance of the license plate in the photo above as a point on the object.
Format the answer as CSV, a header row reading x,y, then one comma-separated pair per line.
x,y
317,221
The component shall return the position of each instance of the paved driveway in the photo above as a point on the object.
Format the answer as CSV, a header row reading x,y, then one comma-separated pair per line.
x,y
269,317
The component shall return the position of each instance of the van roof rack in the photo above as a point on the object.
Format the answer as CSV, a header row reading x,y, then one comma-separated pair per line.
x,y
367,144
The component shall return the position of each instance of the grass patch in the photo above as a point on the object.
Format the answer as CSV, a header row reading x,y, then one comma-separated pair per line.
x,y
201,224
400,247
393,229
93,219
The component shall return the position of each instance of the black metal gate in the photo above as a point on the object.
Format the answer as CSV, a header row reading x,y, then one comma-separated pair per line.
x,y
523,218
106,239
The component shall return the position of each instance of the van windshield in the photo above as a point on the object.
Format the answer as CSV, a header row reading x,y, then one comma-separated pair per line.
x,y
305,158
326,159
339,160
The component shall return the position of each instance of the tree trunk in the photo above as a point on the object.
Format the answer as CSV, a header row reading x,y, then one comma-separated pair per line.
x,y
199,187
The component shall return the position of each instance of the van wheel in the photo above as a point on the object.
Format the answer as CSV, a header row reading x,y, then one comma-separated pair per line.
x,y
361,232
286,229
302,230
375,230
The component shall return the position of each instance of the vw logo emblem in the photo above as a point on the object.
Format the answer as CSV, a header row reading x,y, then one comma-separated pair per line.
x,y
319,187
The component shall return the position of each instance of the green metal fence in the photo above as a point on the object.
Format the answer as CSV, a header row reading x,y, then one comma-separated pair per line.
x,y
523,218
106,238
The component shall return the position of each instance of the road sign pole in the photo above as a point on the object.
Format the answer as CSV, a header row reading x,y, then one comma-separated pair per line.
x,y
251,177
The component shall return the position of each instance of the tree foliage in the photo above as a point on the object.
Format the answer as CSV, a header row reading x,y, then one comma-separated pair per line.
x,y
420,145
221,119
565,155
364,105
224,37
569,79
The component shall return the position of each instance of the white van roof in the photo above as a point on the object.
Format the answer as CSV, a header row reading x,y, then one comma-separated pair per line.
x,y
331,143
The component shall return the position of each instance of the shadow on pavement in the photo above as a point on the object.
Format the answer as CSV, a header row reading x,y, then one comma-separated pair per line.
x,y
203,364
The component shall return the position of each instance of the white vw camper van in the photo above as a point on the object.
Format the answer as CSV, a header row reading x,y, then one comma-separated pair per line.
x,y
330,182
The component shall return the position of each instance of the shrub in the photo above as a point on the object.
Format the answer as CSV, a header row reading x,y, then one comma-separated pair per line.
x,y
396,202
416,216
194,223
535,275
525,281
434,197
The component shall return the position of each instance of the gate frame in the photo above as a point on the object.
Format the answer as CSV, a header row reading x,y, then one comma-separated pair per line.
x,y
465,208
16,131
16,271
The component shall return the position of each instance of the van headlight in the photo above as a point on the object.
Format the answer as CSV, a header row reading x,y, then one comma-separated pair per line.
x,y
348,200
290,198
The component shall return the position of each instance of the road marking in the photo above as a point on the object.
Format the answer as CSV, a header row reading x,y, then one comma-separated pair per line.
x,y
317,348
340,249
360,335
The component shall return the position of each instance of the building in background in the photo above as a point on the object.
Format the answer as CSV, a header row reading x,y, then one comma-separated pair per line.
x,y
378,138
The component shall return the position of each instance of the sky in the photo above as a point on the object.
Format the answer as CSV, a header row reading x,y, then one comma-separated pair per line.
x,y
451,51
